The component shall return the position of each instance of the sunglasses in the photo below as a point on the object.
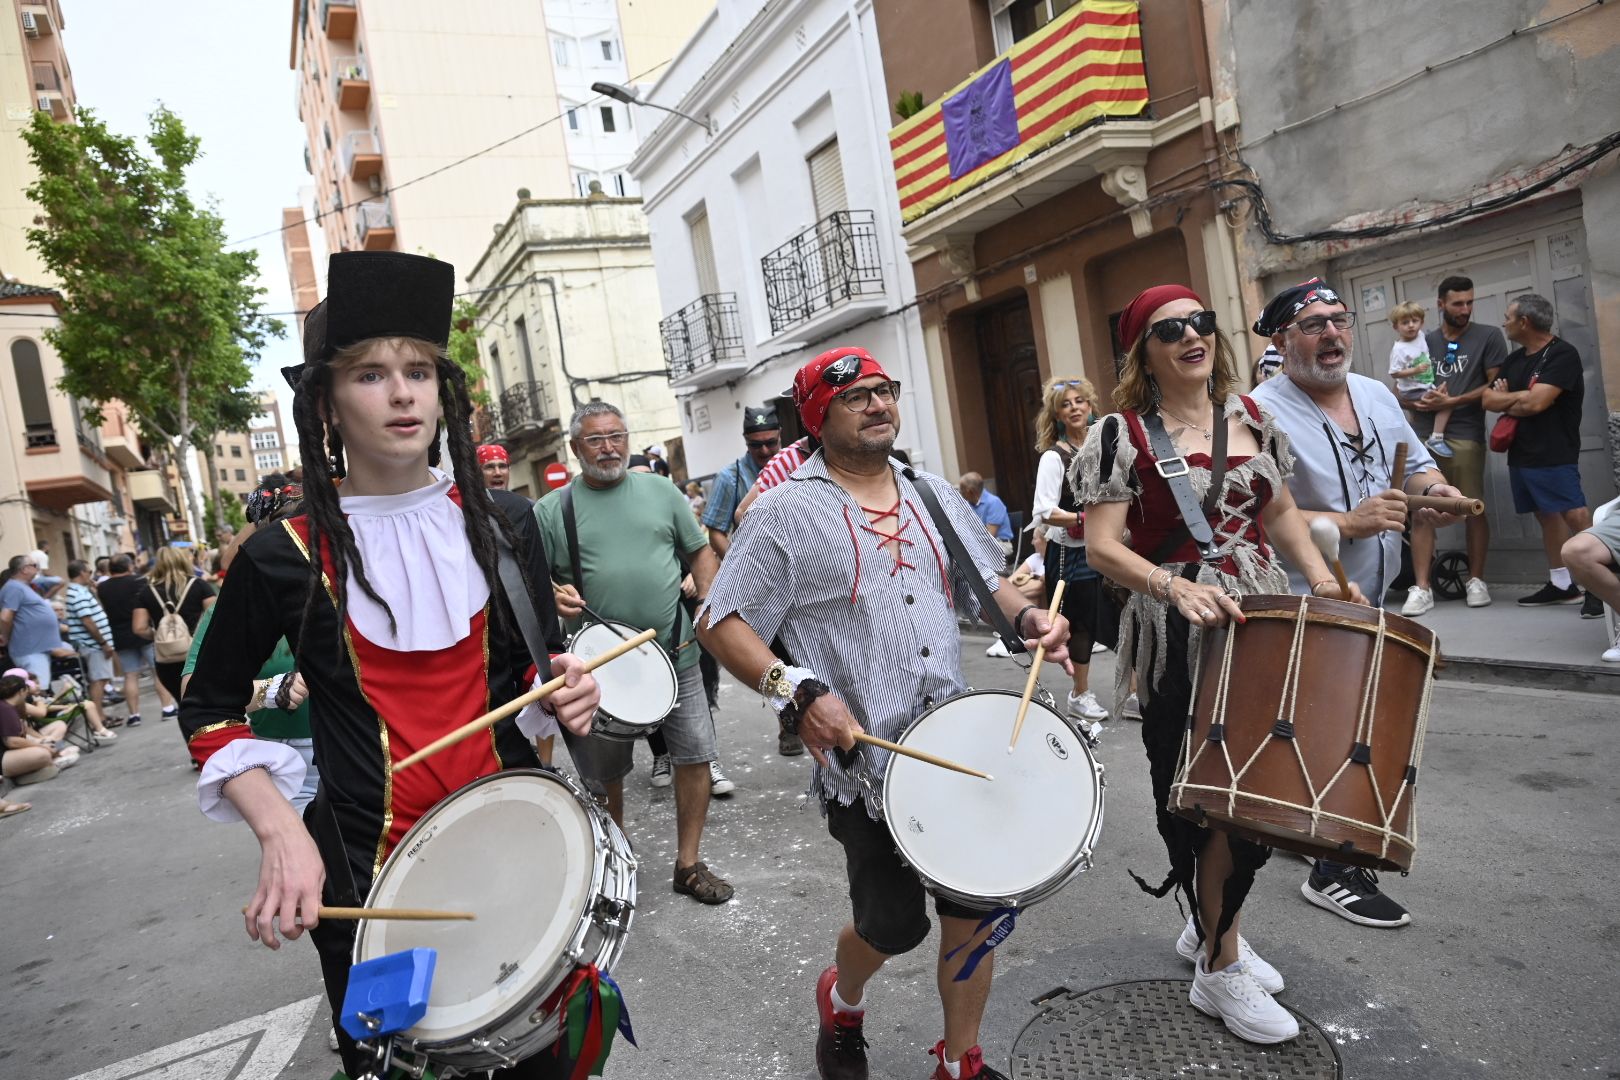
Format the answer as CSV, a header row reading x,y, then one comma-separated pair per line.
x,y
1171,331
763,444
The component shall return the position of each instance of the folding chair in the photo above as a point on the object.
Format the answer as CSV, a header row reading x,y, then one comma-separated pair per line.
x,y
77,717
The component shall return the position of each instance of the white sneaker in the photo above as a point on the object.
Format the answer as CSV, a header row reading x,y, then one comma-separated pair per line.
x,y
997,648
331,1039
718,784
1097,647
1437,446
1479,594
1612,655
1234,996
1086,707
1418,602
1189,948
660,771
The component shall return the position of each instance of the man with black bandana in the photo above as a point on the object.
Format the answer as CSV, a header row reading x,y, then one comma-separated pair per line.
x,y
1344,429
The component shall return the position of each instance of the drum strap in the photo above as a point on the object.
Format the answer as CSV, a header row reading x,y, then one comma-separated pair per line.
x,y
323,824
571,531
1172,467
521,604
953,544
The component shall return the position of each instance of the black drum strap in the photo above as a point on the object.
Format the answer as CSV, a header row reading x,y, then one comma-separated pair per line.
x,y
1172,467
953,544
521,603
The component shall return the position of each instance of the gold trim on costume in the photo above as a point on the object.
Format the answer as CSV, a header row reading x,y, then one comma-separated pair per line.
x,y
215,727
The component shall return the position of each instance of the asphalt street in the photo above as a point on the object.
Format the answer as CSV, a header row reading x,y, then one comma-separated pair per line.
x,y
124,955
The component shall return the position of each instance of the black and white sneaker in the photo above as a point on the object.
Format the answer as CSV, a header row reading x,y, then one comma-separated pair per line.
x,y
1550,594
1352,893
1591,607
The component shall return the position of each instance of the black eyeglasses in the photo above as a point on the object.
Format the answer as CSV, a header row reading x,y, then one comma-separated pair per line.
x,y
842,372
1313,326
1171,331
860,398
763,444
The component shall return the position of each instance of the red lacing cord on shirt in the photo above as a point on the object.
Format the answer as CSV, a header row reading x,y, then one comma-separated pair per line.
x,y
897,537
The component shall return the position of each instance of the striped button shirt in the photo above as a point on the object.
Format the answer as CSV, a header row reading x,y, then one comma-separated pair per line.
x,y
80,602
881,632
780,467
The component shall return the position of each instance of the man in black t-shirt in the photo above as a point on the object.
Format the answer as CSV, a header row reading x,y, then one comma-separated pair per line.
x,y
120,595
1543,460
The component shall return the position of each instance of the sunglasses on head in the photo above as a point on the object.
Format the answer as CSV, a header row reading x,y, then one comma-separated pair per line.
x,y
1171,331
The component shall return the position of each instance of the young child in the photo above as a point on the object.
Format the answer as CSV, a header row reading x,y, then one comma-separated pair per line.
x,y
1413,370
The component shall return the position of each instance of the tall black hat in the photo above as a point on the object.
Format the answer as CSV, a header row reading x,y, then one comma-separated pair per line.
x,y
372,294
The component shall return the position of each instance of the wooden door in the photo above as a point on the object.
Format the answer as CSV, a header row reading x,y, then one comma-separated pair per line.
x,y
1012,398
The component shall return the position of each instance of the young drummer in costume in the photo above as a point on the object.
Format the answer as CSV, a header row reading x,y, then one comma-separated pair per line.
x,y
844,563
1179,377
388,591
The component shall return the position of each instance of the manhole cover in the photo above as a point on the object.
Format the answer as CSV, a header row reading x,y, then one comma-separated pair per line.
x,y
1149,1030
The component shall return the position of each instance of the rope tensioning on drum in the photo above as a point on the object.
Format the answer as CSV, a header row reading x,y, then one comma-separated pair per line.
x,y
1283,728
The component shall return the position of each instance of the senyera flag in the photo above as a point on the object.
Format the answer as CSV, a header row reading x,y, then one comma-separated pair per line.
x,y
1085,64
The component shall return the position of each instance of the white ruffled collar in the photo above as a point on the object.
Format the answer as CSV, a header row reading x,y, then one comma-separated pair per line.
x,y
416,555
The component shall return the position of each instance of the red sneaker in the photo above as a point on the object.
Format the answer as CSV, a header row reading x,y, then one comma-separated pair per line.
x,y
840,1044
972,1065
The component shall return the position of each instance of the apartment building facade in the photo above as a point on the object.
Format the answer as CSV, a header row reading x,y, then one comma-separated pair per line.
x,y
775,228
34,77
241,457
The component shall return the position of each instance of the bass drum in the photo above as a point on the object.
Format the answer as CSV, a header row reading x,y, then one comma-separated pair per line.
x,y
553,883
1007,842
638,689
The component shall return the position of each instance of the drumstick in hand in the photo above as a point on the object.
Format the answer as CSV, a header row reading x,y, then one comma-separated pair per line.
x,y
919,755
1325,535
398,914
1397,470
1035,668
489,719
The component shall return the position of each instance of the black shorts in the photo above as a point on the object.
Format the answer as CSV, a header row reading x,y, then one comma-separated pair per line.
x,y
886,895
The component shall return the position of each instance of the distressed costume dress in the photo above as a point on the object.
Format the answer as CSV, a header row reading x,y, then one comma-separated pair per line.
x,y
1116,464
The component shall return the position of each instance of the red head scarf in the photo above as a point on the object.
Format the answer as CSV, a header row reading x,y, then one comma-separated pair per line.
x,y
1133,321
813,396
489,452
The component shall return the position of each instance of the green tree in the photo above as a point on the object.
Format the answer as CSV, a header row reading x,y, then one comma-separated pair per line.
x,y
464,347
160,316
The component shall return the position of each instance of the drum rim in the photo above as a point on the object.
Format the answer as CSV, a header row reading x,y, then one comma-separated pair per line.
x,y
1081,860
601,840
1330,612
640,729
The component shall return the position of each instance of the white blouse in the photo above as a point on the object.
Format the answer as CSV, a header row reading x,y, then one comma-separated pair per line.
x,y
1048,492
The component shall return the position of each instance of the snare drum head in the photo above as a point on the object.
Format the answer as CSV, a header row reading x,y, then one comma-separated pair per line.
x,y
518,850
637,688
999,839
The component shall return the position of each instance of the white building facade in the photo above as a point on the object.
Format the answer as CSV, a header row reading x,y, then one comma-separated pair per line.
x,y
776,232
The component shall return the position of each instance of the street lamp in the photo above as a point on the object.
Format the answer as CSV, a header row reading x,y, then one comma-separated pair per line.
x,y
630,96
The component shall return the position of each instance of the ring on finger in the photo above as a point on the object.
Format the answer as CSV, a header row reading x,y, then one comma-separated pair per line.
x,y
1206,614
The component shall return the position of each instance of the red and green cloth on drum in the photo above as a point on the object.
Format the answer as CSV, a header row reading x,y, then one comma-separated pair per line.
x,y
593,1011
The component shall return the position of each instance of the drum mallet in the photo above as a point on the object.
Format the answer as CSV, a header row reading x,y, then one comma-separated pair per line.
x,y
1035,668
1325,535
489,719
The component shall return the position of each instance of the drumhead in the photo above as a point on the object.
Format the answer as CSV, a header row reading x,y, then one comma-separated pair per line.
x,y
637,688
1014,838
518,850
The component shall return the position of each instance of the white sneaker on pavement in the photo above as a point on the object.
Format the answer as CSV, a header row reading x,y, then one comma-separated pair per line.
x,y
1612,655
1097,647
1418,602
1233,996
1189,948
1479,594
718,784
1086,707
997,648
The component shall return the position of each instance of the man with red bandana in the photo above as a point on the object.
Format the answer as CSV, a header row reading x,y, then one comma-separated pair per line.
x,y
495,465
843,563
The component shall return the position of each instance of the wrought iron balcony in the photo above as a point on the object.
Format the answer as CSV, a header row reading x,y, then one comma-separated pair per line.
x,y
828,264
40,435
702,334
525,410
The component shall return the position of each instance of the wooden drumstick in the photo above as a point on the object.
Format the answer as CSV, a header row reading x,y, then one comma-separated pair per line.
x,y
1325,535
397,914
1397,470
1447,505
1035,668
919,755
489,719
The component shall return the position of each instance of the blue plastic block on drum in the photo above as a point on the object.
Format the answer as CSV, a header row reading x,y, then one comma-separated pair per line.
x,y
392,991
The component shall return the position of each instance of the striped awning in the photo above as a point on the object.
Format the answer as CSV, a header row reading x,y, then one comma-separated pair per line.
x,y
1085,64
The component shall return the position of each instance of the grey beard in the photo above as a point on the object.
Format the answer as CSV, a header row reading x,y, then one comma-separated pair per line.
x,y
602,475
1306,369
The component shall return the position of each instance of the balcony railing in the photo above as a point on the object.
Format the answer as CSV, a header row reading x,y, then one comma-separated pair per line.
x,y
40,435
46,77
361,155
375,220
829,263
701,334
351,82
525,409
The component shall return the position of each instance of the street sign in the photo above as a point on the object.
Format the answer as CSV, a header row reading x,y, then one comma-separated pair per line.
x,y
556,475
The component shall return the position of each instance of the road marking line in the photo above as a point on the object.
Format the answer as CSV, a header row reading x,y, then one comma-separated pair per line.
x,y
257,1048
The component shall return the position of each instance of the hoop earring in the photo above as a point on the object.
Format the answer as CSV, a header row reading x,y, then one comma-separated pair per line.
x,y
334,454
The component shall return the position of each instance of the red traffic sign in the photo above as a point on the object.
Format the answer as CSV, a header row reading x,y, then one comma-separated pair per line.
x,y
556,475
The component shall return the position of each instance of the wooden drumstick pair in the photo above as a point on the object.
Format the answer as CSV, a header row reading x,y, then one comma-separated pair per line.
x,y
1446,504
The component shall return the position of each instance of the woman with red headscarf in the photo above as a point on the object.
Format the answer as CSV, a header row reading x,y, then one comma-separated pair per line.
x,y
1178,389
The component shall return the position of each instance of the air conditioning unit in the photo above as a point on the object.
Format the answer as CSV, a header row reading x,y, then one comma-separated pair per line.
x,y
44,103
30,24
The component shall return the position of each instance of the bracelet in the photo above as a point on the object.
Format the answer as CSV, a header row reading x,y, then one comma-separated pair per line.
x,y
1155,594
257,701
779,683
1325,581
1018,620
1431,487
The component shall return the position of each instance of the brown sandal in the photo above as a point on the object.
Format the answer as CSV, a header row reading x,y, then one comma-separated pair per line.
x,y
702,884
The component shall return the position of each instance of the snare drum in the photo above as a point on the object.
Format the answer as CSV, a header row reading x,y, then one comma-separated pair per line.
x,y
1008,842
638,689
553,883
1307,730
